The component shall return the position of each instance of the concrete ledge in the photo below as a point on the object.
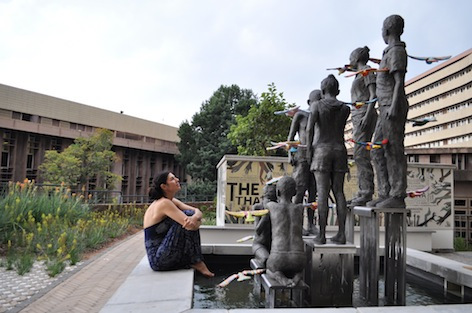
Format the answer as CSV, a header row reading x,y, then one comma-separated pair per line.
x,y
148,291
419,238
450,270
449,308
227,249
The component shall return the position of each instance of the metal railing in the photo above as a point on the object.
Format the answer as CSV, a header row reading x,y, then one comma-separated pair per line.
x,y
117,196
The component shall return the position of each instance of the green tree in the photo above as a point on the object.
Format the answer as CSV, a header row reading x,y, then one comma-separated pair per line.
x,y
203,141
253,132
84,160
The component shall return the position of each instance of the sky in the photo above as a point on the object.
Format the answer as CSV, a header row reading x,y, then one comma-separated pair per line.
x,y
160,60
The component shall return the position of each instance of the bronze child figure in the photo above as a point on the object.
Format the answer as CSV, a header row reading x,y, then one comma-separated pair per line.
x,y
363,122
301,168
329,161
287,258
390,161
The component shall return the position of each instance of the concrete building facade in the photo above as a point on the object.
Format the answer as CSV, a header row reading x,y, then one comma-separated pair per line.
x,y
445,93
31,123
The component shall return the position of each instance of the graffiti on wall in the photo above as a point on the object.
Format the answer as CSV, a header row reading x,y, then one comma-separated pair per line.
x,y
244,182
246,179
433,209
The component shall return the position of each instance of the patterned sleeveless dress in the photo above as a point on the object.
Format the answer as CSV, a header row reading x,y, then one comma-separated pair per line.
x,y
171,247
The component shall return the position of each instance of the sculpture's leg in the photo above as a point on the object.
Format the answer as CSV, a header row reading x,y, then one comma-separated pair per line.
x,y
312,229
323,184
396,164
341,209
380,162
279,277
365,172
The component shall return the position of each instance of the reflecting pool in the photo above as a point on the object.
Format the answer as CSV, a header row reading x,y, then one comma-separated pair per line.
x,y
240,294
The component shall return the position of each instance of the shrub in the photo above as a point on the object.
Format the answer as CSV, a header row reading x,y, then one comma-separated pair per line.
x,y
54,225
460,244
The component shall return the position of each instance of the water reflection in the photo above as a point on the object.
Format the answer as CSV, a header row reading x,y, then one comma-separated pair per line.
x,y
240,294
236,295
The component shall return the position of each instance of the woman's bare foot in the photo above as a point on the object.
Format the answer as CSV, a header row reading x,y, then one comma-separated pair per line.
x,y
203,269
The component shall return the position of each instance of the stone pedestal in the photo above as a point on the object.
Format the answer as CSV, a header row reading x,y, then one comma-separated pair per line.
x,y
255,264
394,259
349,225
272,288
330,274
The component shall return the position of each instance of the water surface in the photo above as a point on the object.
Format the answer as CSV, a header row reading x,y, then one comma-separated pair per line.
x,y
240,294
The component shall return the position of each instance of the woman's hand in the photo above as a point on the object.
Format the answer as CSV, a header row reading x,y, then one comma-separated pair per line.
x,y
192,222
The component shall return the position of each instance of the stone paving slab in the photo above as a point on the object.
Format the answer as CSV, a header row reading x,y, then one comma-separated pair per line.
x,y
16,289
144,290
449,308
89,289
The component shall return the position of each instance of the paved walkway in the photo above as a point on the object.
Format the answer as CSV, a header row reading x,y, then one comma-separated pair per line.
x,y
90,288
92,284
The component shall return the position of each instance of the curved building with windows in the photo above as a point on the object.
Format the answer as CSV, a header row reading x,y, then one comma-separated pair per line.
x,y
31,123
444,94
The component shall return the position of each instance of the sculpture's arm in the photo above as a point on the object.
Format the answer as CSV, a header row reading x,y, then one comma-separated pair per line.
x,y
370,114
294,127
263,224
310,131
398,94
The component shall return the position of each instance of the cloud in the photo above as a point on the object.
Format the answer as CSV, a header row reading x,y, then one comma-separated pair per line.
x,y
159,60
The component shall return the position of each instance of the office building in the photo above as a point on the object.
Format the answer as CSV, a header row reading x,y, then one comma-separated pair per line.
x,y
31,123
444,94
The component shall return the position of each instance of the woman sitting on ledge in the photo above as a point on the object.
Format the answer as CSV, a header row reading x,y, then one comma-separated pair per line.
x,y
171,233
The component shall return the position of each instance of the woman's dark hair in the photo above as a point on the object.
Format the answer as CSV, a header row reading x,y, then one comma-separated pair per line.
x,y
155,191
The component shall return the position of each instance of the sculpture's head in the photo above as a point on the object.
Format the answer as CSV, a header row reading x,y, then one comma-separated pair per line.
x,y
392,26
314,96
269,191
286,187
330,86
359,55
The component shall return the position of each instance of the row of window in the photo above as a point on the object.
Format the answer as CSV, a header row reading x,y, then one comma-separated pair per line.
x,y
167,163
433,144
453,124
10,159
459,139
462,220
453,108
81,127
442,96
8,146
44,120
461,160
459,107
462,223
415,158
462,203
441,143
440,82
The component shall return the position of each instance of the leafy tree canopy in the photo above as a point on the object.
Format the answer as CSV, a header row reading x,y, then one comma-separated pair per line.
x,y
203,141
253,133
85,159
